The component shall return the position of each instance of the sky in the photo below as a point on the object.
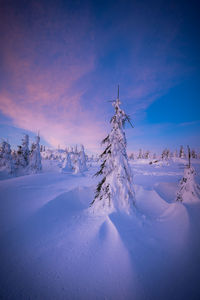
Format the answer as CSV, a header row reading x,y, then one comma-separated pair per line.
x,y
61,62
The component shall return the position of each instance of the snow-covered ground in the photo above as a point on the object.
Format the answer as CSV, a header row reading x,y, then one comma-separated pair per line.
x,y
53,247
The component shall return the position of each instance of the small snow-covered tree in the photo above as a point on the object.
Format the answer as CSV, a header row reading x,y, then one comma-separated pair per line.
x,y
22,158
32,148
131,156
115,190
181,152
35,158
25,150
193,153
188,190
77,165
175,154
140,154
67,165
76,149
72,155
165,154
14,157
83,159
147,154
6,160
19,157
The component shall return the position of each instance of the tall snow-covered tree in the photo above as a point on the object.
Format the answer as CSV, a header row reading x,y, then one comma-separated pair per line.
x,y
115,191
35,158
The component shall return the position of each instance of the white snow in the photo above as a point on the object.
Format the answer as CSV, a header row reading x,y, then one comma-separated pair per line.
x,y
54,247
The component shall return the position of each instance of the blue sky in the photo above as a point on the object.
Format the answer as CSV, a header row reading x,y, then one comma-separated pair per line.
x,y
62,61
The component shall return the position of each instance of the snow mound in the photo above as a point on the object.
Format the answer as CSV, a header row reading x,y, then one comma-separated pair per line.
x,y
149,202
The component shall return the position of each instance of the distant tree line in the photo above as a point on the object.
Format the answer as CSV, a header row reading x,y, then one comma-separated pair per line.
x,y
165,154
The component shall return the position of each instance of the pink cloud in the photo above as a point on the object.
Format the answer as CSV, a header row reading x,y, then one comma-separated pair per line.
x,y
57,124
40,90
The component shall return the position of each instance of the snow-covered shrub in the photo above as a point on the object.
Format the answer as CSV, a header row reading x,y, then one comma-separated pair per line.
x,y
115,190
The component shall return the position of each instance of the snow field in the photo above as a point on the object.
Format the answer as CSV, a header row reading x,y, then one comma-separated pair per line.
x,y
54,247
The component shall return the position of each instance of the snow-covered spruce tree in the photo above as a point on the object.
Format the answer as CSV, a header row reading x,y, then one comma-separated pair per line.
x,y
77,165
140,154
6,160
181,152
165,154
193,154
175,154
67,165
76,149
2,154
115,191
14,158
25,150
147,154
83,159
188,190
72,156
35,158
22,155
